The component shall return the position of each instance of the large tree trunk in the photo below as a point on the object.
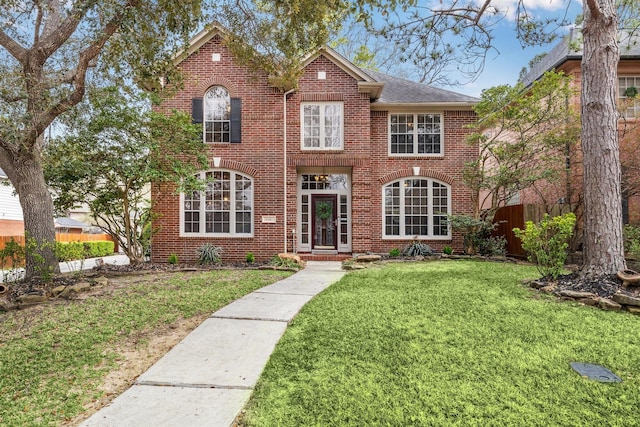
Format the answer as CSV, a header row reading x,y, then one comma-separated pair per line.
x,y
37,208
603,242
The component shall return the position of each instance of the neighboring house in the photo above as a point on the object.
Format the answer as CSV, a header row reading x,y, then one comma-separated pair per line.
x,y
70,226
566,56
11,221
351,161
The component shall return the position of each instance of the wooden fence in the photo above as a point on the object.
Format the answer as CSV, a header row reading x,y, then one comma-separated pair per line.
x,y
63,237
509,217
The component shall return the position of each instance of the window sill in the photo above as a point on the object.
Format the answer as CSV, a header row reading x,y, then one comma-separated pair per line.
x,y
414,237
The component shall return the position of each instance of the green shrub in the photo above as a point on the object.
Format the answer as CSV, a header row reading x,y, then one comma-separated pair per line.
x,y
250,258
493,246
74,251
447,250
474,232
209,253
546,243
173,259
631,240
395,252
418,249
284,262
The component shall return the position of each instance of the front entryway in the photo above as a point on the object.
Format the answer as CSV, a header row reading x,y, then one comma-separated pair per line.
x,y
324,219
324,211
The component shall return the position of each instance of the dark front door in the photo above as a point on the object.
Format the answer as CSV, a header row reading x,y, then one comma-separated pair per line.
x,y
323,208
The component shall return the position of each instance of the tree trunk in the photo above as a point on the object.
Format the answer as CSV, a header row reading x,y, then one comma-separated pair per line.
x,y
603,242
37,209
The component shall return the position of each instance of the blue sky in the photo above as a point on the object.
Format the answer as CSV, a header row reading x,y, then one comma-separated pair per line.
x,y
504,66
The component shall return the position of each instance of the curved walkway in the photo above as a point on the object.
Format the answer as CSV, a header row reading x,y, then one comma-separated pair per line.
x,y
207,379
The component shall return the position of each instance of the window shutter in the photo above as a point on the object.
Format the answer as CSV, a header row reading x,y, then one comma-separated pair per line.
x,y
236,126
196,110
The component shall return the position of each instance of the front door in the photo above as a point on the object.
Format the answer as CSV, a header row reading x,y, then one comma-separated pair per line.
x,y
324,214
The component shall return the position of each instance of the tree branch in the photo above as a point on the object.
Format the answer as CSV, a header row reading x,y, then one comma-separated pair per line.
x,y
14,48
594,8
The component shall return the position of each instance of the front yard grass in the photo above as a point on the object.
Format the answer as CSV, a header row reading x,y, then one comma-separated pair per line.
x,y
54,358
443,344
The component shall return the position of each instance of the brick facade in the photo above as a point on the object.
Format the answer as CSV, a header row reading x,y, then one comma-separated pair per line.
x,y
261,155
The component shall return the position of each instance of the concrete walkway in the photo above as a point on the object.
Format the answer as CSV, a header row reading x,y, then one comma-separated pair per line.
x,y
207,379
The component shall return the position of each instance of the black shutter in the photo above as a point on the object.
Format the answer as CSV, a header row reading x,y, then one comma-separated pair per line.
x,y
196,110
236,116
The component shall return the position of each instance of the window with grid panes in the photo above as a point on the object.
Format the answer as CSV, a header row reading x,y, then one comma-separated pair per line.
x,y
225,207
415,134
416,207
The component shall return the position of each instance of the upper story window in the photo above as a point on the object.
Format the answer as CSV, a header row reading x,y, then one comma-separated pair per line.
x,y
416,207
220,115
217,115
322,126
629,88
415,134
225,208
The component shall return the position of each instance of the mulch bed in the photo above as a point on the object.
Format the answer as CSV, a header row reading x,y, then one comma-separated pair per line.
x,y
603,286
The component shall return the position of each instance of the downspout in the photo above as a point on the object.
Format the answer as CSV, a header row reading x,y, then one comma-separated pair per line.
x,y
284,168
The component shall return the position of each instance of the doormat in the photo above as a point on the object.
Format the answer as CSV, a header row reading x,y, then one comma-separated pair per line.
x,y
595,372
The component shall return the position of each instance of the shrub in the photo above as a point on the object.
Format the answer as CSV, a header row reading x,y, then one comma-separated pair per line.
x,y
547,242
284,262
395,252
493,246
447,250
250,258
631,240
173,259
474,231
418,249
209,253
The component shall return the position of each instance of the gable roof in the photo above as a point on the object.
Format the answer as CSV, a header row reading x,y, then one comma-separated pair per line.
x,y
402,92
66,222
383,89
570,48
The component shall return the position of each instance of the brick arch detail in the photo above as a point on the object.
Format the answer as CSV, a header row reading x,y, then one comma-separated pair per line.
x,y
217,81
408,172
235,166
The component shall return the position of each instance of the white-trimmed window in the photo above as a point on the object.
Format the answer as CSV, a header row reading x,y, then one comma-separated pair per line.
x,y
217,115
322,125
225,208
415,134
629,93
416,207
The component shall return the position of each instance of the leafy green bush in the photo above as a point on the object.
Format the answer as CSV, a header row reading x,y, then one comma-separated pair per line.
x,y
209,253
74,251
12,258
173,259
631,240
284,262
474,232
395,252
493,246
547,242
448,250
250,258
418,249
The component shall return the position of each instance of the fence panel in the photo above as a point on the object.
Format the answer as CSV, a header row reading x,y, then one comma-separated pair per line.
x,y
506,219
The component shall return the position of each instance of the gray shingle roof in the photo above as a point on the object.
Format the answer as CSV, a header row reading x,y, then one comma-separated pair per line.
x,y
570,48
401,91
70,223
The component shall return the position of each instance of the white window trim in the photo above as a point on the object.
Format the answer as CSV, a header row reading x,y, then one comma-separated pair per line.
x,y
322,148
622,97
205,121
232,234
429,213
415,134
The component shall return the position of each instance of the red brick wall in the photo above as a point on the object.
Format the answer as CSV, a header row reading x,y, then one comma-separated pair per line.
x,y
261,156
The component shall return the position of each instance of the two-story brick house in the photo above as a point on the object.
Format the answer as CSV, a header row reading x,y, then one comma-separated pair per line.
x,y
566,57
350,161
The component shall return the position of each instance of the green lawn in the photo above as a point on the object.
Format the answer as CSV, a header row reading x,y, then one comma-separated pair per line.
x,y
448,343
54,357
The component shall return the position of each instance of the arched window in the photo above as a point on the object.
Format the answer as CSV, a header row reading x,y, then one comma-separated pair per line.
x,y
225,207
217,115
416,207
